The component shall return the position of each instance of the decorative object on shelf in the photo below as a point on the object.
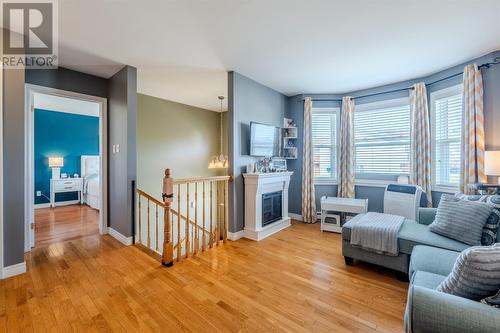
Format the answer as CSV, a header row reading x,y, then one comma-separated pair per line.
x,y
492,164
290,134
76,175
64,175
251,168
56,163
219,162
279,164
288,122
264,165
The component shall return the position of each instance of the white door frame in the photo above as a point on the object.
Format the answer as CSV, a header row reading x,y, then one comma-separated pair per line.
x,y
29,206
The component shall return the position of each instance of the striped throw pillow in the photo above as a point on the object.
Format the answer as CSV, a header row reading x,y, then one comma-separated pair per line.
x,y
476,273
461,220
491,228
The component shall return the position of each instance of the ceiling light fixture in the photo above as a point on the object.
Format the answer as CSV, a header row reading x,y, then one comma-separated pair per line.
x,y
219,162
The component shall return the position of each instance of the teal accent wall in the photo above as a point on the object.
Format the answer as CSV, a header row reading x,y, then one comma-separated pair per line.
x,y
62,134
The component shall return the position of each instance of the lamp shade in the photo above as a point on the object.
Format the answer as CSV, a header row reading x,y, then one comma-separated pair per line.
x,y
56,162
492,163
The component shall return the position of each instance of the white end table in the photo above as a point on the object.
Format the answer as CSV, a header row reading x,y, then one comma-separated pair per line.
x,y
65,185
333,222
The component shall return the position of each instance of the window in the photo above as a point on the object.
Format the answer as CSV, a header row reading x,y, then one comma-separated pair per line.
x,y
324,140
382,139
446,109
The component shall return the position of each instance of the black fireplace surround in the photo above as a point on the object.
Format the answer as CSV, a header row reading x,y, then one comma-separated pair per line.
x,y
271,207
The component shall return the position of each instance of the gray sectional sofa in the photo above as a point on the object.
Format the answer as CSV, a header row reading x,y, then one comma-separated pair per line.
x,y
412,233
428,310
432,259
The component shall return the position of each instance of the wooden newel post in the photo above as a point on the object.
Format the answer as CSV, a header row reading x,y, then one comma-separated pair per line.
x,y
167,258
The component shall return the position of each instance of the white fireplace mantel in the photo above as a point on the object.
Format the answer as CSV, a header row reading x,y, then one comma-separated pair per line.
x,y
257,184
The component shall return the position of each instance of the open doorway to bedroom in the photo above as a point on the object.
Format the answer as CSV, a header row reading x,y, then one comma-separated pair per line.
x,y
66,167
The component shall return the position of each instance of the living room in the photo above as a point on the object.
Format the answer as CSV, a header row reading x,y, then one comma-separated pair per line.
x,y
267,166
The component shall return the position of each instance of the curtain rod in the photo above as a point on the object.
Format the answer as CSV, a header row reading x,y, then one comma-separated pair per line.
x,y
496,61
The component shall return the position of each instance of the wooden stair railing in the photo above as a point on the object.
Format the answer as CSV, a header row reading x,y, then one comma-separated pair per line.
x,y
188,226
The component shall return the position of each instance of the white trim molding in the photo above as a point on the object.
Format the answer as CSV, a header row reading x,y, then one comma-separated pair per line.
x,y
296,217
58,204
14,270
120,237
234,236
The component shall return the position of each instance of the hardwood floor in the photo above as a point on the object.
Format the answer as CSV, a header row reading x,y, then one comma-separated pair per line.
x,y
59,224
295,280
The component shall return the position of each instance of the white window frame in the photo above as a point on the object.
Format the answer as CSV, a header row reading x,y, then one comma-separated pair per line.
x,y
372,179
442,93
330,110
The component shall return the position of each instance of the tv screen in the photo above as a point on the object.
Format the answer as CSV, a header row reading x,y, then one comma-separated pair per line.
x,y
264,140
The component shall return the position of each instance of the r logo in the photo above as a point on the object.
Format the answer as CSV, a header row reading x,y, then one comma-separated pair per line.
x,y
28,28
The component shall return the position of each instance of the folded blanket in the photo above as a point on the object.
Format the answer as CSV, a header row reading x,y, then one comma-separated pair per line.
x,y
377,232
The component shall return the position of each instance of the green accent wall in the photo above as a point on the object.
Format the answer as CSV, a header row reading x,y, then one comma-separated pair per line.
x,y
176,136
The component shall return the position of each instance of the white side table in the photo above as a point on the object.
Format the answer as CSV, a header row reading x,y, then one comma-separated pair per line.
x,y
65,185
332,222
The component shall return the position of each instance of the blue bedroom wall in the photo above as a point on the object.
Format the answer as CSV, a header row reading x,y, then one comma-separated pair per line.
x,y
62,134
375,195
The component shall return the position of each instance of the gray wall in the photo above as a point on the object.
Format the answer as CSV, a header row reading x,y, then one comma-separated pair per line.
x,y
491,81
248,101
67,79
13,166
122,165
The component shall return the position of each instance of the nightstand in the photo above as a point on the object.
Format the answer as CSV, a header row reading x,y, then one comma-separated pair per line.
x,y
65,185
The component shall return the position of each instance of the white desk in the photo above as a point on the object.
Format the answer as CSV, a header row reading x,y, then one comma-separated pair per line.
x,y
333,222
65,185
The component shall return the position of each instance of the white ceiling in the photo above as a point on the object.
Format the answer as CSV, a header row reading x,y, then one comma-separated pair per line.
x,y
67,105
183,48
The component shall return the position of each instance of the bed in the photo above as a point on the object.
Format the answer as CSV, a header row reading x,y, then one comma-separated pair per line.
x,y
90,175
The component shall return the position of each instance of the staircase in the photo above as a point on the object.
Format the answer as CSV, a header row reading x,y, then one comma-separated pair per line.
x,y
190,218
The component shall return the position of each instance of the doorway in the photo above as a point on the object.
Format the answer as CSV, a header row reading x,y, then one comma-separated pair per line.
x,y
66,166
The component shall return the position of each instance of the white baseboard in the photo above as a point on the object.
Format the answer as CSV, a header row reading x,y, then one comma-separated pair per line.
x,y
119,237
14,270
234,236
58,204
295,217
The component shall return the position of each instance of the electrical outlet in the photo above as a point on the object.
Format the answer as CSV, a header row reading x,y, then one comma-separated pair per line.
x,y
38,193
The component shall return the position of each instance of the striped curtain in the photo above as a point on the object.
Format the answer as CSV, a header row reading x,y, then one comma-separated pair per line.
x,y
420,171
472,161
346,157
308,195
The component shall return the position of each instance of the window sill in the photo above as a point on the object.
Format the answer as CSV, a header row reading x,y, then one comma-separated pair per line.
x,y
445,189
361,182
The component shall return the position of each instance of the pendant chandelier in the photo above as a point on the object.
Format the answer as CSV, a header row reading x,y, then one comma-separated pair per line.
x,y
219,162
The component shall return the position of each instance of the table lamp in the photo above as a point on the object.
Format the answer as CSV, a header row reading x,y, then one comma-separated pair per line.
x,y
492,163
56,163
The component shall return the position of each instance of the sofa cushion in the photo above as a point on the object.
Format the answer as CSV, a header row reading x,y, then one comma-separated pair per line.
x,y
461,220
492,227
427,280
412,234
476,273
441,263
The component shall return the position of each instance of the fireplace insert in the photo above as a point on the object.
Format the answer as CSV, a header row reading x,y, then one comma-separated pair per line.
x,y
271,207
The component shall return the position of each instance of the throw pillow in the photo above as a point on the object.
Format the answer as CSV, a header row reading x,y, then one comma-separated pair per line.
x,y
461,220
491,228
475,274
494,300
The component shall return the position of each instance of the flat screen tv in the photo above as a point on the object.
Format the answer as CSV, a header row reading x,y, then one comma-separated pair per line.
x,y
264,140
